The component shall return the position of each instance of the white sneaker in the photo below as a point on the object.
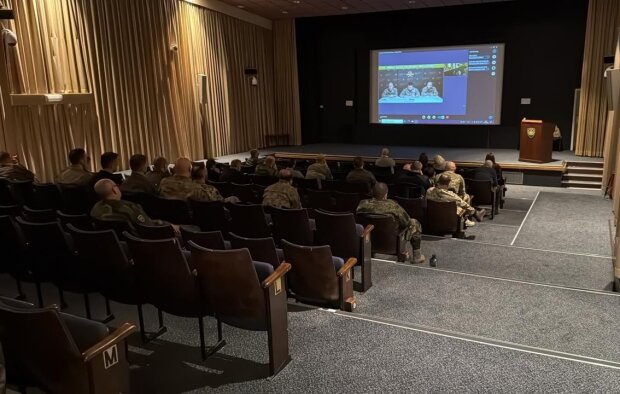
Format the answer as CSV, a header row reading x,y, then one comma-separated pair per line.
x,y
470,223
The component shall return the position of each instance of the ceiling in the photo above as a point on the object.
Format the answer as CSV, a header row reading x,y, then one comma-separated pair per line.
x,y
283,9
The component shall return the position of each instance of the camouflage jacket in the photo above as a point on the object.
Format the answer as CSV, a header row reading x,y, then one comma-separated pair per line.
x,y
361,175
121,210
457,183
155,177
391,207
182,188
138,183
15,172
281,195
74,175
443,195
265,170
319,171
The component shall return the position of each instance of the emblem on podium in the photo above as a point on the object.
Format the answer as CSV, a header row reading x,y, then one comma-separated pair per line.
x,y
531,132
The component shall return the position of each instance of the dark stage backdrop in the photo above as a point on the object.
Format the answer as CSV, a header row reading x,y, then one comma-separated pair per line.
x,y
544,53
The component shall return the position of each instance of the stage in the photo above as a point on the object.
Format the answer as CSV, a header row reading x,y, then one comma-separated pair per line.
x,y
546,174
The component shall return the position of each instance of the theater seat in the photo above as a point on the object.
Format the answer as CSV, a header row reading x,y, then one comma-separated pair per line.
x,y
483,193
205,239
261,249
60,353
441,219
249,221
386,237
347,239
317,278
260,306
294,225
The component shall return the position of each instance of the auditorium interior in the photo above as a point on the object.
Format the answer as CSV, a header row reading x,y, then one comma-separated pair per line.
x,y
309,196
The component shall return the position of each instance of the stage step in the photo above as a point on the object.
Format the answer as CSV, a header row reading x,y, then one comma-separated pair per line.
x,y
583,174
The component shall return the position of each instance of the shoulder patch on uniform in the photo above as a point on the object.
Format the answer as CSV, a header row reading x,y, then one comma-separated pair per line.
x,y
141,218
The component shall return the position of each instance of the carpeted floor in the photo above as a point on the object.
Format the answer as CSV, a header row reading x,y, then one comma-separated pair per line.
x,y
568,222
364,352
559,319
518,263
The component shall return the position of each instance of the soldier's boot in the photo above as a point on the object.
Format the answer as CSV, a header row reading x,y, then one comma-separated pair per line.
x,y
479,215
418,257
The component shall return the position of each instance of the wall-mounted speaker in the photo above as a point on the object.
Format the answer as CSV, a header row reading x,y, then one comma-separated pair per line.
x,y
251,71
202,88
6,13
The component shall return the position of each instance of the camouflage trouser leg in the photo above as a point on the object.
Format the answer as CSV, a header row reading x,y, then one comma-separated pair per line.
x,y
414,234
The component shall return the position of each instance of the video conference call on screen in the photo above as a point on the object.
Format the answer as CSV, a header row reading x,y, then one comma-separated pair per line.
x,y
447,85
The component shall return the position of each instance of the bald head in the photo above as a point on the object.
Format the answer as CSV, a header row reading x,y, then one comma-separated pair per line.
x,y
286,175
444,181
183,167
106,189
488,163
450,166
439,162
380,191
270,161
417,166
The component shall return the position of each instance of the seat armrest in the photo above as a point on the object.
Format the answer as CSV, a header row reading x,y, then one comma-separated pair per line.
x,y
115,337
367,230
282,269
347,266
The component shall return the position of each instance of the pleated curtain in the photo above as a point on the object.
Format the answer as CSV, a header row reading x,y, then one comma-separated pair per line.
x,y
145,95
602,24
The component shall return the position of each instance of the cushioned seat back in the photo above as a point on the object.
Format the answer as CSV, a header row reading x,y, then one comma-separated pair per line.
x,y
441,217
155,232
80,221
76,200
173,211
47,249
11,245
292,225
109,266
5,193
415,208
249,221
384,237
244,192
164,277
222,187
230,284
354,187
339,231
39,350
261,249
21,191
312,277
118,226
209,215
45,196
265,180
346,202
38,215
320,199
408,190
209,239
481,190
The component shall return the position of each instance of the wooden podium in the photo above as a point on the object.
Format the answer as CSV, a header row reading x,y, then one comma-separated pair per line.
x,y
536,141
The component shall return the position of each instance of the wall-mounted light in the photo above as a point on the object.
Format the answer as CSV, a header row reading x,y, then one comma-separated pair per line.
x,y
252,73
254,81
53,98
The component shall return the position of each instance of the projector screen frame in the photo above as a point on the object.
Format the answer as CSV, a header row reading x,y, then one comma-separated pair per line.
x,y
373,55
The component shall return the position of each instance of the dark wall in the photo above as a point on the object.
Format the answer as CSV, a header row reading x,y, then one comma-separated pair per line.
x,y
544,52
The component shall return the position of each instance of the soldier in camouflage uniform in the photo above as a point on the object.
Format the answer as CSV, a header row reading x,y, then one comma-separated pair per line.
x,y
442,193
380,204
282,194
76,174
181,187
111,207
457,183
268,168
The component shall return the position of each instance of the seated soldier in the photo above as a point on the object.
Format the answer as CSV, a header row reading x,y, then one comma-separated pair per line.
x,y
267,168
109,165
412,173
76,174
360,175
199,175
232,173
137,182
486,173
11,169
160,171
319,170
410,91
380,204
180,186
441,193
111,207
457,183
439,164
385,160
282,194
429,90
253,159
